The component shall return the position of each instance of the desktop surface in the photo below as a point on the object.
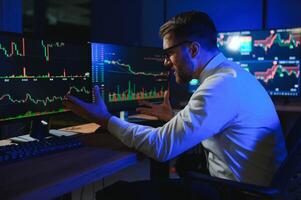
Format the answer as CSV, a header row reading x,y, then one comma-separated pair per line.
x,y
52,175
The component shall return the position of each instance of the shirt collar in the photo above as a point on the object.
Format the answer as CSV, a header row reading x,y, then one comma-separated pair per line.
x,y
211,65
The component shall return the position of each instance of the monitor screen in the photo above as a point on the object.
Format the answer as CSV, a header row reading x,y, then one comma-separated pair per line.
x,y
128,74
36,74
272,56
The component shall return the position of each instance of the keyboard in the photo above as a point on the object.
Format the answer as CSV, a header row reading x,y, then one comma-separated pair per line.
x,y
22,151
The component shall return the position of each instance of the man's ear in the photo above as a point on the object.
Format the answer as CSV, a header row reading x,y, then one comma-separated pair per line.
x,y
194,49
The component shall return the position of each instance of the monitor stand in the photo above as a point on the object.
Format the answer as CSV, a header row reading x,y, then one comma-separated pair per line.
x,y
39,128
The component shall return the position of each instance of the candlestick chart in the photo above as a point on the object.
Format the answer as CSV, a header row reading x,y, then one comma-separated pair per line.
x,y
128,74
272,56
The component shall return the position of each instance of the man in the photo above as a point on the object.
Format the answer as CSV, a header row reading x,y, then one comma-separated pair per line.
x,y
230,113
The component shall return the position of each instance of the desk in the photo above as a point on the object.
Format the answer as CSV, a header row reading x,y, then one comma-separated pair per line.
x,y
52,175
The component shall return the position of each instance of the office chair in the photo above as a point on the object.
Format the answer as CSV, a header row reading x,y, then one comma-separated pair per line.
x,y
294,133
285,185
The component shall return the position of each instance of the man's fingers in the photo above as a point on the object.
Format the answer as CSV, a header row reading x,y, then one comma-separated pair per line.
x,y
96,92
74,104
147,111
77,109
74,100
146,103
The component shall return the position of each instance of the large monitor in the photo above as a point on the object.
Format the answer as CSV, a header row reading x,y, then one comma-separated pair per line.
x,y
128,74
272,56
36,74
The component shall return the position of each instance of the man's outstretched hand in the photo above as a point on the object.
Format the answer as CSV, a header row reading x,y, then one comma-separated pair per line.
x,y
163,111
96,112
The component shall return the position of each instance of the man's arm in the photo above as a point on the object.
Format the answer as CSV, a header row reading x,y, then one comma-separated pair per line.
x,y
208,112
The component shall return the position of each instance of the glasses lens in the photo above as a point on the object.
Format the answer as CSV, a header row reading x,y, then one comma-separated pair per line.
x,y
169,51
166,54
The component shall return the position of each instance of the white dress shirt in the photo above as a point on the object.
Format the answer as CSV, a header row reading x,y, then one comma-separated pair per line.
x,y
231,114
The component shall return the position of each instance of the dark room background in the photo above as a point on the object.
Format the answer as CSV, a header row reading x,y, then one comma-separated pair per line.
x,y
136,22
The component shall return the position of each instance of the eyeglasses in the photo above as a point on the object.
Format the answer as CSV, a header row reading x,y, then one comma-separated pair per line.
x,y
169,51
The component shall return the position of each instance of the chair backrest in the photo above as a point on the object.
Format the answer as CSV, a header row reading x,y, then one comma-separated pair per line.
x,y
294,133
288,177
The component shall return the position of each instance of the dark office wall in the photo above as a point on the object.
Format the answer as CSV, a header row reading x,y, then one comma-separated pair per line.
x,y
11,15
227,14
152,19
282,13
138,21
134,22
116,21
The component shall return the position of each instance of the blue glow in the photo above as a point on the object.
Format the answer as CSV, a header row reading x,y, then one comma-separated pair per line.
x,y
243,155
234,43
233,166
194,82
193,85
232,160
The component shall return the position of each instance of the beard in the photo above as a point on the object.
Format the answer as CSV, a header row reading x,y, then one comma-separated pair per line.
x,y
183,74
182,77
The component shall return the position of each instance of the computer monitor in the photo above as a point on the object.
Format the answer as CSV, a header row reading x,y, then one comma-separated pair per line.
x,y
128,74
272,56
36,74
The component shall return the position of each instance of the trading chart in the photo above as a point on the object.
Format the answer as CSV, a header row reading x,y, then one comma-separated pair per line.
x,y
272,56
35,75
128,74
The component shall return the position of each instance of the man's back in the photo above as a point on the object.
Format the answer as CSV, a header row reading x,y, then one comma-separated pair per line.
x,y
250,147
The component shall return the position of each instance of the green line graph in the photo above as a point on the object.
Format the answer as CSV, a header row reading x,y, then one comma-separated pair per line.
x,y
25,75
46,48
29,98
33,114
14,49
128,69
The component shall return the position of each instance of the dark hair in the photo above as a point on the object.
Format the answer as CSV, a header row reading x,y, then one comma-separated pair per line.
x,y
190,25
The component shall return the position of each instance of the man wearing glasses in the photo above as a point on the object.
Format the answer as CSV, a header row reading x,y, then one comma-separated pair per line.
x,y
230,114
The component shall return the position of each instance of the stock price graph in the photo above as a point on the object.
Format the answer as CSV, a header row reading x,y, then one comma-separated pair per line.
x,y
272,56
278,77
281,44
128,74
35,75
